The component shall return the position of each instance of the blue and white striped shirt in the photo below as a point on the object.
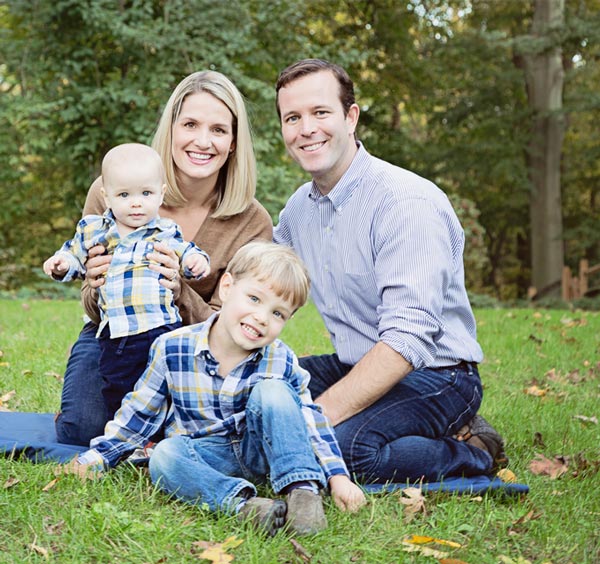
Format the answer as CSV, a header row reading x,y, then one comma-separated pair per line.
x,y
384,250
131,301
201,403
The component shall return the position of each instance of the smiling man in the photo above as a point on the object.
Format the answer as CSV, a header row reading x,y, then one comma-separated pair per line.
x,y
384,250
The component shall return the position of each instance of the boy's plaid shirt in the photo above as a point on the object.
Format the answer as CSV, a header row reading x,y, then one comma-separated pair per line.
x,y
131,300
182,389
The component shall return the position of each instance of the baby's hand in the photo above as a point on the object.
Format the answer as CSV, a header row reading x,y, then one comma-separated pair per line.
x,y
198,265
56,267
346,494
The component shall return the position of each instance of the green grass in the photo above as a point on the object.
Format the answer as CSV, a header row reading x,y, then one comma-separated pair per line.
x,y
122,519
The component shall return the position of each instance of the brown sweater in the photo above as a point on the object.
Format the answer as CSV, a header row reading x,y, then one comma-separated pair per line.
x,y
220,238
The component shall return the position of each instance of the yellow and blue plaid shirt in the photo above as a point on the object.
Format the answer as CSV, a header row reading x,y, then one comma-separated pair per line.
x,y
131,301
182,388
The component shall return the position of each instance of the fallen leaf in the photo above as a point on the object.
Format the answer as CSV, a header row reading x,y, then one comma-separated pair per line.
x,y
53,528
538,440
26,372
414,502
26,307
507,476
451,561
549,467
535,339
424,550
535,391
5,398
10,483
585,419
301,551
50,485
519,560
53,375
40,550
217,551
419,539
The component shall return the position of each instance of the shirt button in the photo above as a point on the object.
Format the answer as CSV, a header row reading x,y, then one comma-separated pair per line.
x,y
211,372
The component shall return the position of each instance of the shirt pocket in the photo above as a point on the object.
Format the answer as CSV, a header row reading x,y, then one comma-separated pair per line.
x,y
360,289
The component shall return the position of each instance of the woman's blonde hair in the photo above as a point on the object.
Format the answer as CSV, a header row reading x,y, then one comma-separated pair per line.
x,y
276,265
236,184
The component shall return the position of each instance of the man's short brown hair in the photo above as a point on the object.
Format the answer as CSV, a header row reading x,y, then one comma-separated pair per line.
x,y
310,66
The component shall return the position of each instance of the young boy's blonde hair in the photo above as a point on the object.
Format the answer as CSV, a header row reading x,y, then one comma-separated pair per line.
x,y
276,265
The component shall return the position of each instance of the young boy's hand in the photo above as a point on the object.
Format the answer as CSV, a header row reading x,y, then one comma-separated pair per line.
x,y
346,494
56,267
83,471
198,265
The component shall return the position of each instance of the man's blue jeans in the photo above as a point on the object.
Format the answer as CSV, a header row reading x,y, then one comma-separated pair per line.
x,y
82,412
407,434
219,470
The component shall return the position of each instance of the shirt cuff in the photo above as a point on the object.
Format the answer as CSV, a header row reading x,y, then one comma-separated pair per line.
x,y
93,459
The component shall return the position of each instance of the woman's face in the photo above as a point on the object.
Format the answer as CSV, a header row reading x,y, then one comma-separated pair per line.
x,y
203,138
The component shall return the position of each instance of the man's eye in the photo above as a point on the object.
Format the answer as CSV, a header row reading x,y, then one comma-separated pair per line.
x,y
292,119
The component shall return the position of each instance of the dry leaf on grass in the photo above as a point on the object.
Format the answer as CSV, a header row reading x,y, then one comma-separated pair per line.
x,y
413,501
301,551
40,550
586,419
451,561
10,482
50,485
428,546
554,468
217,551
535,391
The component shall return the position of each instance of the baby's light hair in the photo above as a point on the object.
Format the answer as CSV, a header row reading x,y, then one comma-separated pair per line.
x,y
277,265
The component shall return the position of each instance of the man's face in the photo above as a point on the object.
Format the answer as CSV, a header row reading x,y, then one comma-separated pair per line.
x,y
315,131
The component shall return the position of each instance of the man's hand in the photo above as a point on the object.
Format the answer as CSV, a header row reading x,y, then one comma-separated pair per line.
x,y
346,494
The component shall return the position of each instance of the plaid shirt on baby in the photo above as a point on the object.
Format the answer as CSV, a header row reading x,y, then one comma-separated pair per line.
x,y
181,388
131,301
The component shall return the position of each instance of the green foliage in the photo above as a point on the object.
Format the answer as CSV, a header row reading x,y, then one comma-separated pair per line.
x,y
440,85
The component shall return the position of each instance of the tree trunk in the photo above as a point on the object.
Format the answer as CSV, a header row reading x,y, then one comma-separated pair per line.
x,y
545,76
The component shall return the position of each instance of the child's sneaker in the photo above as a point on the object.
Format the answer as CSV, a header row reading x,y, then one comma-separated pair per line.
x,y
305,513
266,514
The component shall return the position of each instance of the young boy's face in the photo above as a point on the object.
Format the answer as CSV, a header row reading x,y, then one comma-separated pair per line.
x,y
252,314
134,194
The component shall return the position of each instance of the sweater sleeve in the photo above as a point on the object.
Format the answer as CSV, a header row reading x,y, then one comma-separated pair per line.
x,y
94,205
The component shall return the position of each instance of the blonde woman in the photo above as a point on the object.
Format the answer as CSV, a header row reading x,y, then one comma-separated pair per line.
x,y
204,140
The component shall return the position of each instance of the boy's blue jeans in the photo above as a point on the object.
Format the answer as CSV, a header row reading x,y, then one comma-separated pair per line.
x,y
407,434
219,470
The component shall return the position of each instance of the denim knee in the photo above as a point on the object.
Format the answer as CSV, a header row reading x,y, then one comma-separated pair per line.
x,y
271,392
163,457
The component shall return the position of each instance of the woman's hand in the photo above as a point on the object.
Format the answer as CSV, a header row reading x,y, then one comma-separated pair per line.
x,y
97,266
168,266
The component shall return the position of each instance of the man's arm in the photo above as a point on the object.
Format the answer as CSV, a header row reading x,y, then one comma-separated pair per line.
x,y
371,378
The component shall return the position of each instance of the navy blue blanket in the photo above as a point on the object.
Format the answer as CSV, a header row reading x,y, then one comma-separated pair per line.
x,y
32,436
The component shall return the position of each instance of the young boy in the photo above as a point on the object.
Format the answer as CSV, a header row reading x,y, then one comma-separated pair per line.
x,y
235,406
134,307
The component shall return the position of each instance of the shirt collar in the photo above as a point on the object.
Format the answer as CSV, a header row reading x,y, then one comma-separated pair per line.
x,y
202,349
350,180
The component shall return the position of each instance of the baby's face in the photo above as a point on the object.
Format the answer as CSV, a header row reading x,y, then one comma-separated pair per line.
x,y
134,194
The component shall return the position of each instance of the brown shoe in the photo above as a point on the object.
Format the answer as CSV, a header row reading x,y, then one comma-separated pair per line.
x,y
265,514
479,433
305,513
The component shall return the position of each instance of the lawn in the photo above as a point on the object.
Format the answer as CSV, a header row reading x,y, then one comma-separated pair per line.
x,y
542,385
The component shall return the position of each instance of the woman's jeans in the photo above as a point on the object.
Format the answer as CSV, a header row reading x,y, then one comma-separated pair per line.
x,y
82,412
407,434
219,471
